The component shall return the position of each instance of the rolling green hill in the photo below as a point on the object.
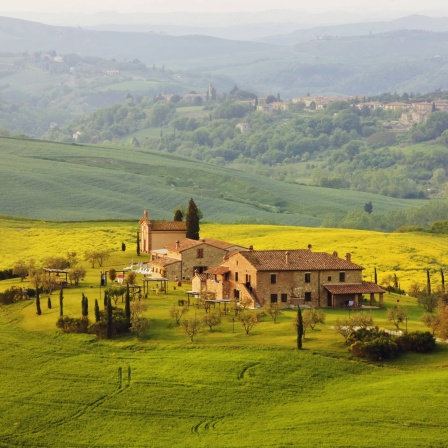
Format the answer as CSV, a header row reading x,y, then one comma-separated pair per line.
x,y
54,181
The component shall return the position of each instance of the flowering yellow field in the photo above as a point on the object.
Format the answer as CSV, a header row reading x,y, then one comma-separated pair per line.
x,y
406,254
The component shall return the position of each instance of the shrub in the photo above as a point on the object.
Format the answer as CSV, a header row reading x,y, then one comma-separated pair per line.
x,y
73,325
418,341
120,324
375,349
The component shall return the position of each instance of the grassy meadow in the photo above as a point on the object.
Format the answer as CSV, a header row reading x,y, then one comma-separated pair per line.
x,y
225,389
66,182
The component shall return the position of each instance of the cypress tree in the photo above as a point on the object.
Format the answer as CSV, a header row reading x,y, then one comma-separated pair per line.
x,y
49,303
178,215
127,307
61,302
97,311
109,319
443,279
299,329
192,220
138,244
38,310
428,282
106,298
375,276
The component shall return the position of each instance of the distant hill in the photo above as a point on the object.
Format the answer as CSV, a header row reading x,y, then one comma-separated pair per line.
x,y
414,22
55,181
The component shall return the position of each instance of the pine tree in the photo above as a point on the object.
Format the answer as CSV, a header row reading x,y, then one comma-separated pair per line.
x,y
97,311
192,220
61,302
299,329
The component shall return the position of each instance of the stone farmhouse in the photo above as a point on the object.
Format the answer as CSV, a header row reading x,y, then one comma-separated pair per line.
x,y
182,258
288,277
156,234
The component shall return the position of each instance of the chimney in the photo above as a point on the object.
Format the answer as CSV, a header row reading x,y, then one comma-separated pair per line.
x,y
309,247
251,247
145,214
287,257
348,256
177,244
335,254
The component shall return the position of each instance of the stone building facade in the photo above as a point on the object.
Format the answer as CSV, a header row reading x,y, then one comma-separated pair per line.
x,y
294,277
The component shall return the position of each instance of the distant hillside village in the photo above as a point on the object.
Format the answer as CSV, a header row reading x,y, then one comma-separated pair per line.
x,y
225,272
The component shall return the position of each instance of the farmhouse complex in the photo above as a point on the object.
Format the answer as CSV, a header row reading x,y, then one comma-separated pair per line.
x,y
289,277
226,271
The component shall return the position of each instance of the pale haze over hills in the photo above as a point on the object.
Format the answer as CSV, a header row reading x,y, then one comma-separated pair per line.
x,y
218,13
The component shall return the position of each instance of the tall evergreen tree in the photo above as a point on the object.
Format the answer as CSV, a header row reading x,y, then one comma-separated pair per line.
x,y
299,329
178,215
109,318
97,311
443,279
428,282
376,276
138,244
38,310
49,303
127,306
61,302
192,220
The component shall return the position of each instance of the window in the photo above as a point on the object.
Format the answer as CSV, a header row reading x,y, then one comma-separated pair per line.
x,y
200,253
236,294
342,276
236,276
273,298
307,297
273,279
329,278
307,277
284,298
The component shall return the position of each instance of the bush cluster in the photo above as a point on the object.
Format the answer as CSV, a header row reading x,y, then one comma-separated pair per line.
x,y
375,344
73,325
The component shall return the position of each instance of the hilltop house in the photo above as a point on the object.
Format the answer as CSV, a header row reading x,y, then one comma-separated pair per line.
x,y
288,277
156,234
182,258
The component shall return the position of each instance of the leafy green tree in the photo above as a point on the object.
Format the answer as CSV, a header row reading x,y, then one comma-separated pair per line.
x,y
248,320
20,269
192,220
273,310
211,320
191,327
177,312
397,315
368,207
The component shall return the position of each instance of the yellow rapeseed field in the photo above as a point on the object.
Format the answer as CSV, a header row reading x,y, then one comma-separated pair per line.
x,y
408,255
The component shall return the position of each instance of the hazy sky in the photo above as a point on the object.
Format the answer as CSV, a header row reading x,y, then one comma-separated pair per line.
x,y
162,6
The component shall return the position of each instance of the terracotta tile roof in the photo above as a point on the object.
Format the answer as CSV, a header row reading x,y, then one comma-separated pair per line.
x,y
354,288
168,225
220,270
164,261
296,260
188,243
